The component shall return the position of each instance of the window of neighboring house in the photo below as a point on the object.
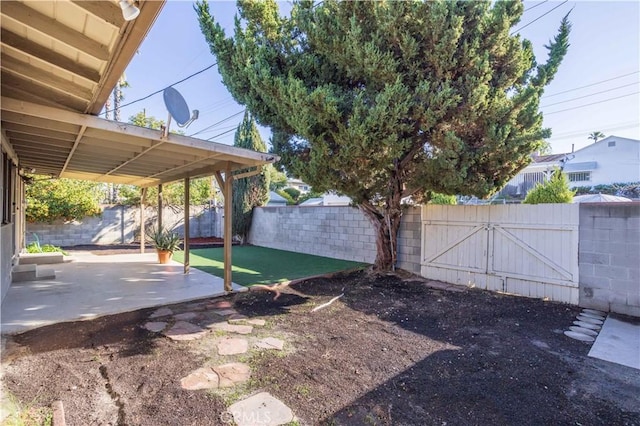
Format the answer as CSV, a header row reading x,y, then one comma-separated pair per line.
x,y
579,176
612,143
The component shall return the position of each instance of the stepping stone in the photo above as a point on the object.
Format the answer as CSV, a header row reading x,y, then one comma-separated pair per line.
x,y
253,321
587,325
236,317
579,336
270,343
594,316
261,409
583,330
186,316
231,374
156,327
183,330
593,311
162,312
198,307
589,320
202,378
221,304
233,346
225,312
231,328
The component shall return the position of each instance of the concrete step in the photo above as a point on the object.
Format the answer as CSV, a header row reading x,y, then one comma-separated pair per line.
x,y
31,272
40,258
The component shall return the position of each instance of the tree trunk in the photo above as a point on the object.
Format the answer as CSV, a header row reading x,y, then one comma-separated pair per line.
x,y
386,222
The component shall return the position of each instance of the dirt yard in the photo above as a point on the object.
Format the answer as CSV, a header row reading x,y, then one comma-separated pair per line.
x,y
391,351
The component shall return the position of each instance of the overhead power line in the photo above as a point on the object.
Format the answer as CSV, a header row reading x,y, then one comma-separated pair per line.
x,y
223,133
590,85
592,94
539,17
593,103
217,123
535,5
587,131
158,91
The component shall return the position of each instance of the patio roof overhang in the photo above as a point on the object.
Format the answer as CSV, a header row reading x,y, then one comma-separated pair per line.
x,y
67,144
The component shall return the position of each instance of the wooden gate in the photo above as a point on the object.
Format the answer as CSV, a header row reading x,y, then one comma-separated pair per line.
x,y
529,250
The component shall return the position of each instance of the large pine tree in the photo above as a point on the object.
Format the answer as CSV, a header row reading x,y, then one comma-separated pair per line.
x,y
251,191
384,100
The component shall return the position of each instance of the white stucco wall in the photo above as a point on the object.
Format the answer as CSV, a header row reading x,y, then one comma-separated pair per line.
x,y
615,164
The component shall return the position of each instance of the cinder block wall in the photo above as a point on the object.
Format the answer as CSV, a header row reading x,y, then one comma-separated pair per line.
x,y
121,225
609,257
338,232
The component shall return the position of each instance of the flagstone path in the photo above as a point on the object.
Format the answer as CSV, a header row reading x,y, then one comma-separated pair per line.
x,y
261,409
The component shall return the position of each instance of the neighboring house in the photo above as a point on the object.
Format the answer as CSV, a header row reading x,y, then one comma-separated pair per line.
x,y
610,160
299,185
328,200
538,171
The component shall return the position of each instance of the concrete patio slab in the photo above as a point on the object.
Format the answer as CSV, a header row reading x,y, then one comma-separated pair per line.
x,y
91,286
619,342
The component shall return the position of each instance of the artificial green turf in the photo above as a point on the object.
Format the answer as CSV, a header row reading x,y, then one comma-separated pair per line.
x,y
261,265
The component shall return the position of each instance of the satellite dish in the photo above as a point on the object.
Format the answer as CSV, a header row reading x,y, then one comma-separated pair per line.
x,y
178,108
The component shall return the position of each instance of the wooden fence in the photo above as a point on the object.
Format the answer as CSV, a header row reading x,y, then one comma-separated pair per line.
x,y
529,250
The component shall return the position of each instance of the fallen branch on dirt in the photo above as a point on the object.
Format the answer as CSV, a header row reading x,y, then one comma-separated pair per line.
x,y
279,288
324,305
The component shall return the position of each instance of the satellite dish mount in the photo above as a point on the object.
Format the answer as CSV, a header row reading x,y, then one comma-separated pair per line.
x,y
178,109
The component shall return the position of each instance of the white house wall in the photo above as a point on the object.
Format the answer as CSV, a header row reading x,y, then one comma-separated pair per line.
x,y
615,164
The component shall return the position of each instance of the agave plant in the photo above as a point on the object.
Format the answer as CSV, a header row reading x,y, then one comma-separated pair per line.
x,y
164,239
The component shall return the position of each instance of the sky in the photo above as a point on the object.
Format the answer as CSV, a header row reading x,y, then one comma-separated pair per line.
x,y
597,87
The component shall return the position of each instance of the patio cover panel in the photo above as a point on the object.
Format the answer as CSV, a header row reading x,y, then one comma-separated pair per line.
x,y
68,144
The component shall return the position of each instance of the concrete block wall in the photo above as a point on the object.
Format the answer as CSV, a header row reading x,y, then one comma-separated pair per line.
x,y
338,232
609,257
121,225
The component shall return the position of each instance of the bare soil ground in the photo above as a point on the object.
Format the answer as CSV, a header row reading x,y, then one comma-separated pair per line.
x,y
392,351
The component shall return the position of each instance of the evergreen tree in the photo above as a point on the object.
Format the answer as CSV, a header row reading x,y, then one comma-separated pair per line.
x,y
251,191
555,190
385,100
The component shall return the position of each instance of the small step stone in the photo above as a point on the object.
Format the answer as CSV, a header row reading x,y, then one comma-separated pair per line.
x,y
231,328
202,378
186,316
221,304
252,321
232,346
162,312
232,374
225,312
183,330
261,409
155,326
270,343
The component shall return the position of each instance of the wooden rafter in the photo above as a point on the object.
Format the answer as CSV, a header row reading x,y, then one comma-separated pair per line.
x,y
54,29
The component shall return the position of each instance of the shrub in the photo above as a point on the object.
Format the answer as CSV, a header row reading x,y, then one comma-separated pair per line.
x,y
293,193
555,190
287,197
35,247
436,198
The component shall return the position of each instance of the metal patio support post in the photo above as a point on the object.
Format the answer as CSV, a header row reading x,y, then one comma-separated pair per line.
x,y
187,202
